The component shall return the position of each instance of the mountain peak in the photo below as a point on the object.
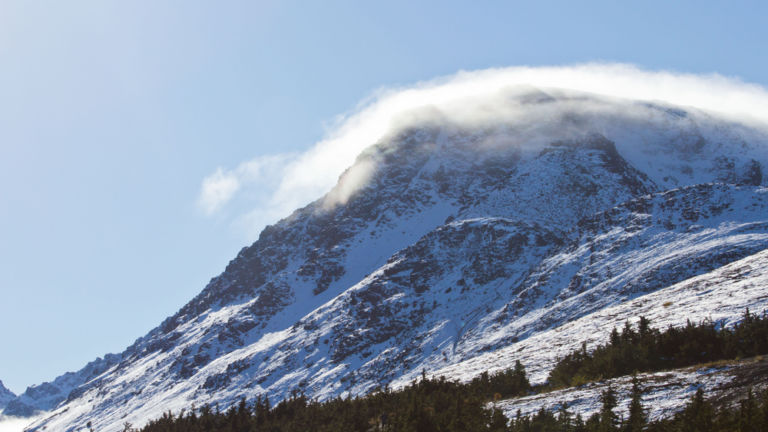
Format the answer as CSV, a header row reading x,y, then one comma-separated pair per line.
x,y
5,396
453,238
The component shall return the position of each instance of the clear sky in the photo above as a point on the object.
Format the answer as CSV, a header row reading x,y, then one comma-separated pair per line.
x,y
113,113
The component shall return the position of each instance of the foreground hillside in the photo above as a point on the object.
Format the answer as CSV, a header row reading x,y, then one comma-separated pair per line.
x,y
465,248
665,393
668,400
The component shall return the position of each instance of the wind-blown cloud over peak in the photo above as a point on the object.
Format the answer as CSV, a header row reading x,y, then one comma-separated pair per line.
x,y
278,184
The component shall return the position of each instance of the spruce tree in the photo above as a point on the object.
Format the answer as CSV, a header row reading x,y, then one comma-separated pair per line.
x,y
748,414
520,379
698,416
637,415
498,421
608,419
564,418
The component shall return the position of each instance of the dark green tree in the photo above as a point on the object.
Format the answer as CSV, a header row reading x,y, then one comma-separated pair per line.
x,y
698,415
638,418
608,419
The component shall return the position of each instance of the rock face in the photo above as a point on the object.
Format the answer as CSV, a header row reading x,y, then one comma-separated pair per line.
x,y
5,396
463,242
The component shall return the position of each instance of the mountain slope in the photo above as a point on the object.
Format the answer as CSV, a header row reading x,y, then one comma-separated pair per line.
x,y
720,295
462,242
48,395
666,393
5,396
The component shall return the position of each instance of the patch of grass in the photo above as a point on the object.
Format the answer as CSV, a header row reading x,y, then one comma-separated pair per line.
x,y
714,364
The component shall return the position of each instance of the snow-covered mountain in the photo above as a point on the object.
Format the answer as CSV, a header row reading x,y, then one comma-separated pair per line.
x,y
464,241
48,395
5,396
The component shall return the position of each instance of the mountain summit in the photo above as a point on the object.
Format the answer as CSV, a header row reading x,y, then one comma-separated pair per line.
x,y
450,239
5,396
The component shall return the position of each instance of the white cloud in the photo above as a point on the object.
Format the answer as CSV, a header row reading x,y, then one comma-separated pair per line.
x,y
14,424
217,189
257,179
283,183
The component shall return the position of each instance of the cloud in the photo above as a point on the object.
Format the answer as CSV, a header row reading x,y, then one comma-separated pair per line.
x,y
282,183
14,424
217,189
258,178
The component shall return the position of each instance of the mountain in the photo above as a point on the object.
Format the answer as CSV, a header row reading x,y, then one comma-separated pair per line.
x,y
5,396
467,239
48,395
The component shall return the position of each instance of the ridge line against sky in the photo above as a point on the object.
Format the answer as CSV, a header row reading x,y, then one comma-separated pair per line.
x,y
113,113
288,181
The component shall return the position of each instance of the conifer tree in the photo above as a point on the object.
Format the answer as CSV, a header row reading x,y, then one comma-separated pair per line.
x,y
698,416
498,421
564,419
637,415
608,419
748,414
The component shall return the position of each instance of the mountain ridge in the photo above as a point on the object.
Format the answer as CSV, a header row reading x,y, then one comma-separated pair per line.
x,y
460,242
6,395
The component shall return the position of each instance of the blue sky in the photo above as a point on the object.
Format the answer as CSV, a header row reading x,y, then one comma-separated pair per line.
x,y
113,113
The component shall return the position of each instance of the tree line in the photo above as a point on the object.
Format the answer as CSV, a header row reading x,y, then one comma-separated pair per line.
x,y
428,405
438,404
699,415
647,349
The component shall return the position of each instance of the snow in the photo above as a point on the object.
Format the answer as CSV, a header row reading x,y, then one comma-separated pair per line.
x,y
665,393
458,259
721,295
